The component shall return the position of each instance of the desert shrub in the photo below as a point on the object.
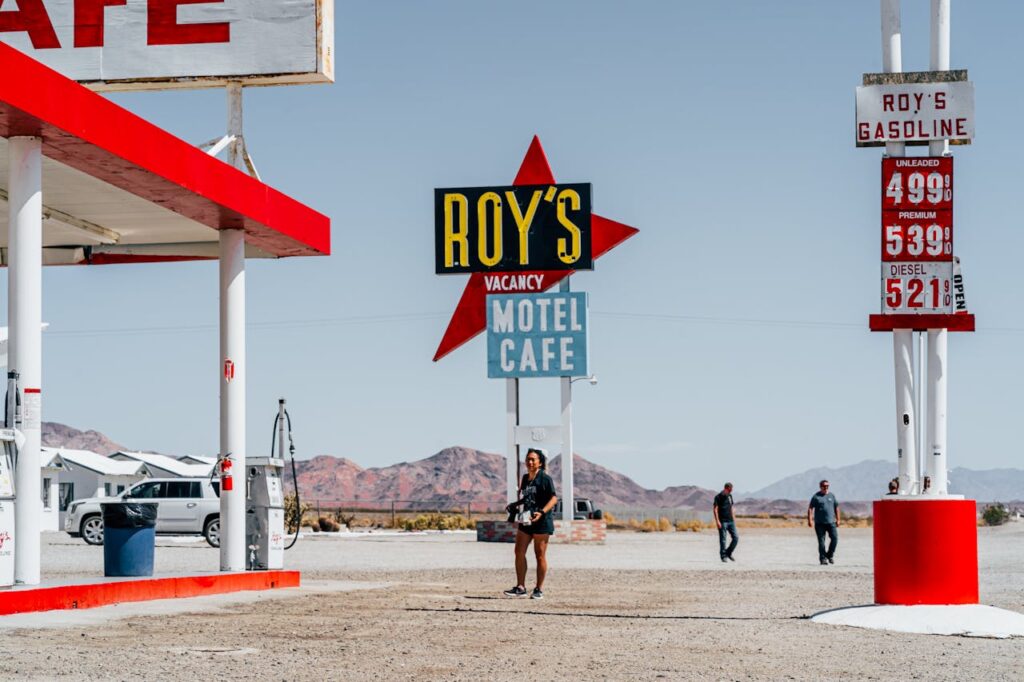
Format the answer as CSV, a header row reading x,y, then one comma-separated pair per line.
x,y
995,515
344,519
439,522
291,514
328,525
314,526
649,526
664,525
857,521
691,525
609,518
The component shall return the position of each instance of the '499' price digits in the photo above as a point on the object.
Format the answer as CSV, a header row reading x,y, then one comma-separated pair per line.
x,y
917,182
917,287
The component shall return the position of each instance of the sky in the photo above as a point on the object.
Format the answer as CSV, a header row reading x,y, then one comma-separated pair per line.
x,y
729,336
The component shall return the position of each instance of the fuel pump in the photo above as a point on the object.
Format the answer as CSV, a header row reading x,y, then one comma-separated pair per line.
x,y
264,513
9,437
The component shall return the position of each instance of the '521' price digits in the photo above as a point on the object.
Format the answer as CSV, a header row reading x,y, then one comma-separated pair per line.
x,y
917,287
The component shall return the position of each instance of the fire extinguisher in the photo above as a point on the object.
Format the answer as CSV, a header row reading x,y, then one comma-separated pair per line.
x,y
227,481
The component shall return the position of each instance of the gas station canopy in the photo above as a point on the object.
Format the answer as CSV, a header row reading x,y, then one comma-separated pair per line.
x,y
118,189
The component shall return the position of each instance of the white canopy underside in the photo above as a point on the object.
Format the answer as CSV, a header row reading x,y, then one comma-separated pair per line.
x,y
82,214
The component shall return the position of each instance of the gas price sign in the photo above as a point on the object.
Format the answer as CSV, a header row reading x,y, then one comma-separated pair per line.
x,y
917,234
917,208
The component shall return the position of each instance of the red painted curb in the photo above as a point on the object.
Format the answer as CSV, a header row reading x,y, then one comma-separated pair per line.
x,y
91,595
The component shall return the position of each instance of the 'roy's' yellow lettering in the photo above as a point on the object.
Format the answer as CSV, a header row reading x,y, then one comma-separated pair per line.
x,y
453,236
567,256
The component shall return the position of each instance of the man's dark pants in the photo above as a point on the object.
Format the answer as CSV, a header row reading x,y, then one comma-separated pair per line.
x,y
833,535
730,528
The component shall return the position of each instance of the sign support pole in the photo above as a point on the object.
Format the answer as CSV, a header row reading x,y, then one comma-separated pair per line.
x,y
232,350
920,409
568,502
511,447
25,311
938,338
902,339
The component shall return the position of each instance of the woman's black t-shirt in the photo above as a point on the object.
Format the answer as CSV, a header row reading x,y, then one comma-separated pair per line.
x,y
536,494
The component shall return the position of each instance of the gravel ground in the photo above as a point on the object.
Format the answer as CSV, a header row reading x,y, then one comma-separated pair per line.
x,y
644,606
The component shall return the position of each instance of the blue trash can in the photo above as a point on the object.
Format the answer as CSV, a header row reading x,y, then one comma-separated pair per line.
x,y
129,538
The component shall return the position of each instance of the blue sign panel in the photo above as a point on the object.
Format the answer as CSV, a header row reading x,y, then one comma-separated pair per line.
x,y
537,335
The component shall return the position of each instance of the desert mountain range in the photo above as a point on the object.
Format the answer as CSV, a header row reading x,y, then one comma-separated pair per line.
x,y
458,475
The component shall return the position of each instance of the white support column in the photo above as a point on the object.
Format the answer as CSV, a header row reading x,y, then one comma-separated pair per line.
x,y
937,372
511,449
567,497
566,493
939,59
921,409
902,339
936,451
25,283
906,424
233,369
232,396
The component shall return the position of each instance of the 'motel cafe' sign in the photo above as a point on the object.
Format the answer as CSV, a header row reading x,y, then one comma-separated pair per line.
x,y
537,335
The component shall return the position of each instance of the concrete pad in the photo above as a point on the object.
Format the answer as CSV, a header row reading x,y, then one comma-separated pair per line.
x,y
967,620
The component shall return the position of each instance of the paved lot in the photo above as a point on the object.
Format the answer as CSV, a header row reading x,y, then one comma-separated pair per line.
x,y
644,606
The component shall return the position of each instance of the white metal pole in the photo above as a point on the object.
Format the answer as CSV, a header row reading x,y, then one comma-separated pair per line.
x,y
938,347
902,339
511,449
937,373
568,501
921,409
232,353
281,418
232,396
903,352
25,283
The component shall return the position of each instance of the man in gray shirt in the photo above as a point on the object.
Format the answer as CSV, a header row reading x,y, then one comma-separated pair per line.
x,y
824,510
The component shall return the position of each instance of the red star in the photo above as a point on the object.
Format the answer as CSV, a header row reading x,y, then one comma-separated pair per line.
x,y
470,316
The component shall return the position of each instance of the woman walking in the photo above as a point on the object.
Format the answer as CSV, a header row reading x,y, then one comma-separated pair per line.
x,y
537,495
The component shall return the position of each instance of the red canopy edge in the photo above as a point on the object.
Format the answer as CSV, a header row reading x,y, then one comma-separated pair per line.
x,y
85,131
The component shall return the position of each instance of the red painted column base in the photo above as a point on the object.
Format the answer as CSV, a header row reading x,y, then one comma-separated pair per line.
x,y
926,551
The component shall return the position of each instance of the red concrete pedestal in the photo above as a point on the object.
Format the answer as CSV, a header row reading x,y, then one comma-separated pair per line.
x,y
926,551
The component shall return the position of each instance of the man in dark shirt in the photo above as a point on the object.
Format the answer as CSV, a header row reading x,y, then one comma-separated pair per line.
x,y
722,508
825,511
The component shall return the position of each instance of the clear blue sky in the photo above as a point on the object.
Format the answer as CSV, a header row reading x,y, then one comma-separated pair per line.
x,y
730,336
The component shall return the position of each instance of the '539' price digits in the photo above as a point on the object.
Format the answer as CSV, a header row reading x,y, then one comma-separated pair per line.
x,y
917,235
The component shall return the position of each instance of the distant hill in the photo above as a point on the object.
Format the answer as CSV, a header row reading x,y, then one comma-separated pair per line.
x,y
62,436
868,480
457,475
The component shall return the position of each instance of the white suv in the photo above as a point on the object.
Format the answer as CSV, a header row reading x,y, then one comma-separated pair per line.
x,y
186,506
